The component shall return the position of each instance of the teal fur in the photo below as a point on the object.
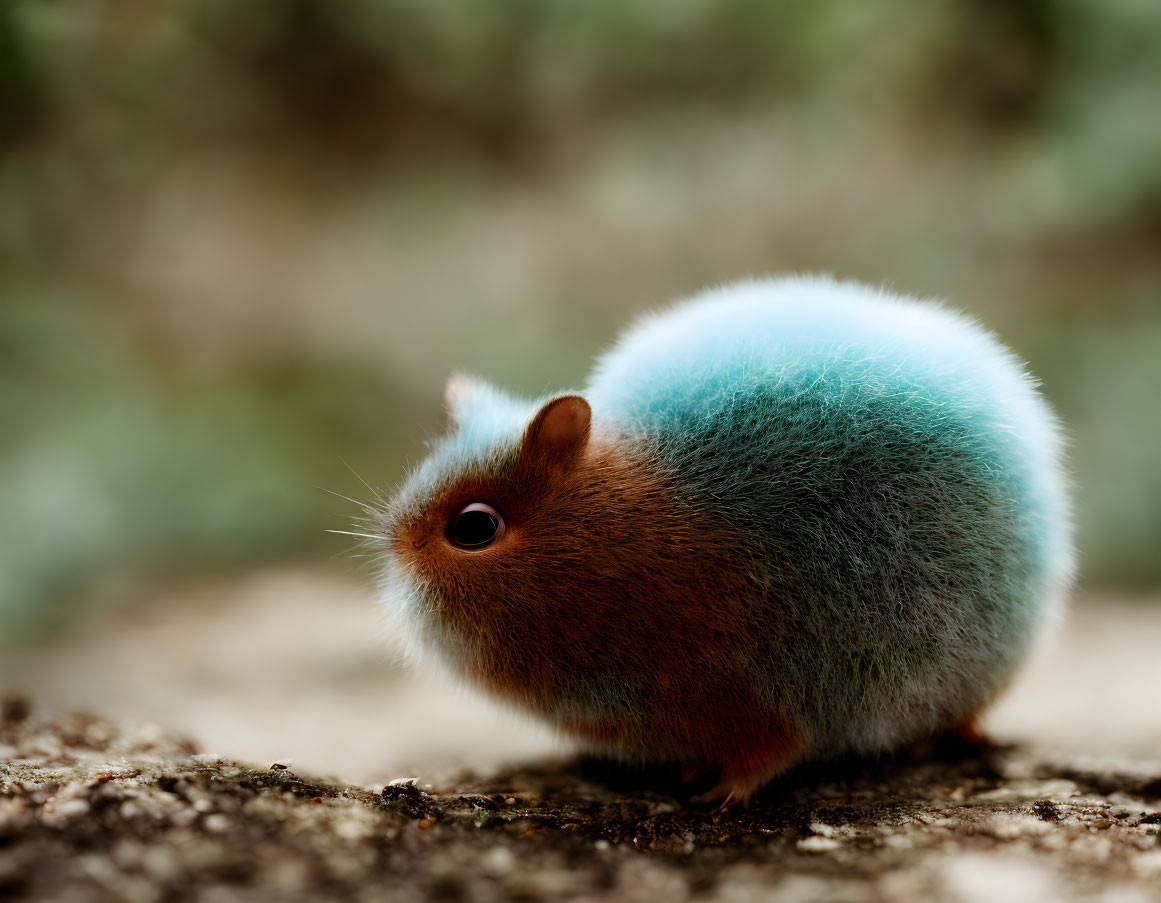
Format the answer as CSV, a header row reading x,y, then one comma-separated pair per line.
x,y
893,474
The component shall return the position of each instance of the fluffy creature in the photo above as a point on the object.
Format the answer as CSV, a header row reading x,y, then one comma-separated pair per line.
x,y
784,520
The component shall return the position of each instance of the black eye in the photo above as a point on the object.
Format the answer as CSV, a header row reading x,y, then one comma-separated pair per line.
x,y
475,526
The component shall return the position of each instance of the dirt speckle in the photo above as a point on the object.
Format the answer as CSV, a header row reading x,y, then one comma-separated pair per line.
x,y
1046,809
90,813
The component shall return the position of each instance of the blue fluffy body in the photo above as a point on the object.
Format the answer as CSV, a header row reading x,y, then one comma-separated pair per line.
x,y
893,473
872,482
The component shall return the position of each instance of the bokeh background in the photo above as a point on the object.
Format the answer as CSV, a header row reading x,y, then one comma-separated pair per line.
x,y
242,245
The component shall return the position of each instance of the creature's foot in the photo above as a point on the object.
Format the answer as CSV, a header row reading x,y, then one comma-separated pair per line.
x,y
968,731
964,733
738,781
727,795
725,792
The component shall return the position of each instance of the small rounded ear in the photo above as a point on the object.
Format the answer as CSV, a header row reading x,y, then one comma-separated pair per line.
x,y
458,395
559,431
459,387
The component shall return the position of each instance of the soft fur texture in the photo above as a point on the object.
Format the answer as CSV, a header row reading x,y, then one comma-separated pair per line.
x,y
785,519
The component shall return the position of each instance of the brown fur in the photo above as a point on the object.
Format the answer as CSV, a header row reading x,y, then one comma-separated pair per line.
x,y
606,605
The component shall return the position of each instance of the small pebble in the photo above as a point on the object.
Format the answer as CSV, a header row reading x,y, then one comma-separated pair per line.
x,y
217,822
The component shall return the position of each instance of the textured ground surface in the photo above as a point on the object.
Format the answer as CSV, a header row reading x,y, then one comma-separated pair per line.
x,y
292,667
87,813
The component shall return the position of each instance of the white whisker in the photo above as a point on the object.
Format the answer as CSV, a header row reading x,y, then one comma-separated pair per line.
x,y
361,535
374,491
339,495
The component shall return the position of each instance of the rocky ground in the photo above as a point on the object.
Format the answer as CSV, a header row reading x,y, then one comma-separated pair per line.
x,y
289,673
91,814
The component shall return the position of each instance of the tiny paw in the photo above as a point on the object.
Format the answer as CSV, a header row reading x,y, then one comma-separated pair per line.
x,y
727,794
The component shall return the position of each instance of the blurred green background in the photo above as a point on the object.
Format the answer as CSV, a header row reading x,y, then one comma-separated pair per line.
x,y
242,245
